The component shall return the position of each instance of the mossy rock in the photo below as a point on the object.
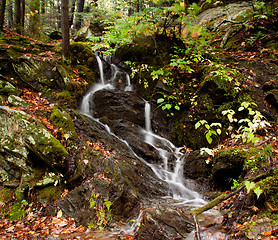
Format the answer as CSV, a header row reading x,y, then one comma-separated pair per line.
x,y
82,54
7,89
15,101
38,75
17,212
6,195
48,194
29,141
87,74
269,186
62,120
65,100
151,50
231,164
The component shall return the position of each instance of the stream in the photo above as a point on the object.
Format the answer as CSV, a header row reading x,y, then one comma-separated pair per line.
x,y
181,190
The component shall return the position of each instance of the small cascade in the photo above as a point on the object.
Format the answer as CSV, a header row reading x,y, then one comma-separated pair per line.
x,y
174,178
170,170
101,73
148,130
128,88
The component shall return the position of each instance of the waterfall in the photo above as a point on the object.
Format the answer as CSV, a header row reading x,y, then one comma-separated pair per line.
x,y
86,101
148,132
100,66
169,171
128,88
174,178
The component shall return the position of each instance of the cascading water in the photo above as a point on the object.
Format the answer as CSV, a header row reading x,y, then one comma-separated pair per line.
x,y
179,188
165,148
100,66
174,178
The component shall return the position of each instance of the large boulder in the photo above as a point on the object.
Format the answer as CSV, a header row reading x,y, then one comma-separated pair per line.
x,y
29,154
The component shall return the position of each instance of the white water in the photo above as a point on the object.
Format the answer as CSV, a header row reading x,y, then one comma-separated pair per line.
x,y
128,88
148,129
100,66
174,178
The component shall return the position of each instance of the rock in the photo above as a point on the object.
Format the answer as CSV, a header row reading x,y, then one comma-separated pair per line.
x,y
196,166
25,140
62,120
116,104
84,33
7,89
55,35
213,16
164,222
260,226
37,74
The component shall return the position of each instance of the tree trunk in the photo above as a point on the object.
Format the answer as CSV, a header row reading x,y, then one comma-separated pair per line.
x,y
59,15
17,12
42,6
2,13
10,15
72,9
80,9
65,29
22,14
35,19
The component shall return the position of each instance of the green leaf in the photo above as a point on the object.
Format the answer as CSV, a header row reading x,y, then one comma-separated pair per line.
x,y
168,106
258,191
249,185
197,125
208,137
160,100
177,108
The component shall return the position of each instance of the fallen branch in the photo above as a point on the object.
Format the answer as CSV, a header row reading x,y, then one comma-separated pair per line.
x,y
195,212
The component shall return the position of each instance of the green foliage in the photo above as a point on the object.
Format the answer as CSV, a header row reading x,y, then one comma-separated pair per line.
x,y
102,207
252,186
247,126
169,103
235,185
211,129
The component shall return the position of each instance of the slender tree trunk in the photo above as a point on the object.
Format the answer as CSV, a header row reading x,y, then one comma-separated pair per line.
x,y
42,6
10,15
80,9
17,16
65,29
2,13
35,18
72,9
22,14
59,15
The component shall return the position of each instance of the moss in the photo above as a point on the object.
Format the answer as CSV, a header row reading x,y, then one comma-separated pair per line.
x,y
8,89
17,212
62,120
86,73
269,186
81,53
48,194
6,195
65,99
